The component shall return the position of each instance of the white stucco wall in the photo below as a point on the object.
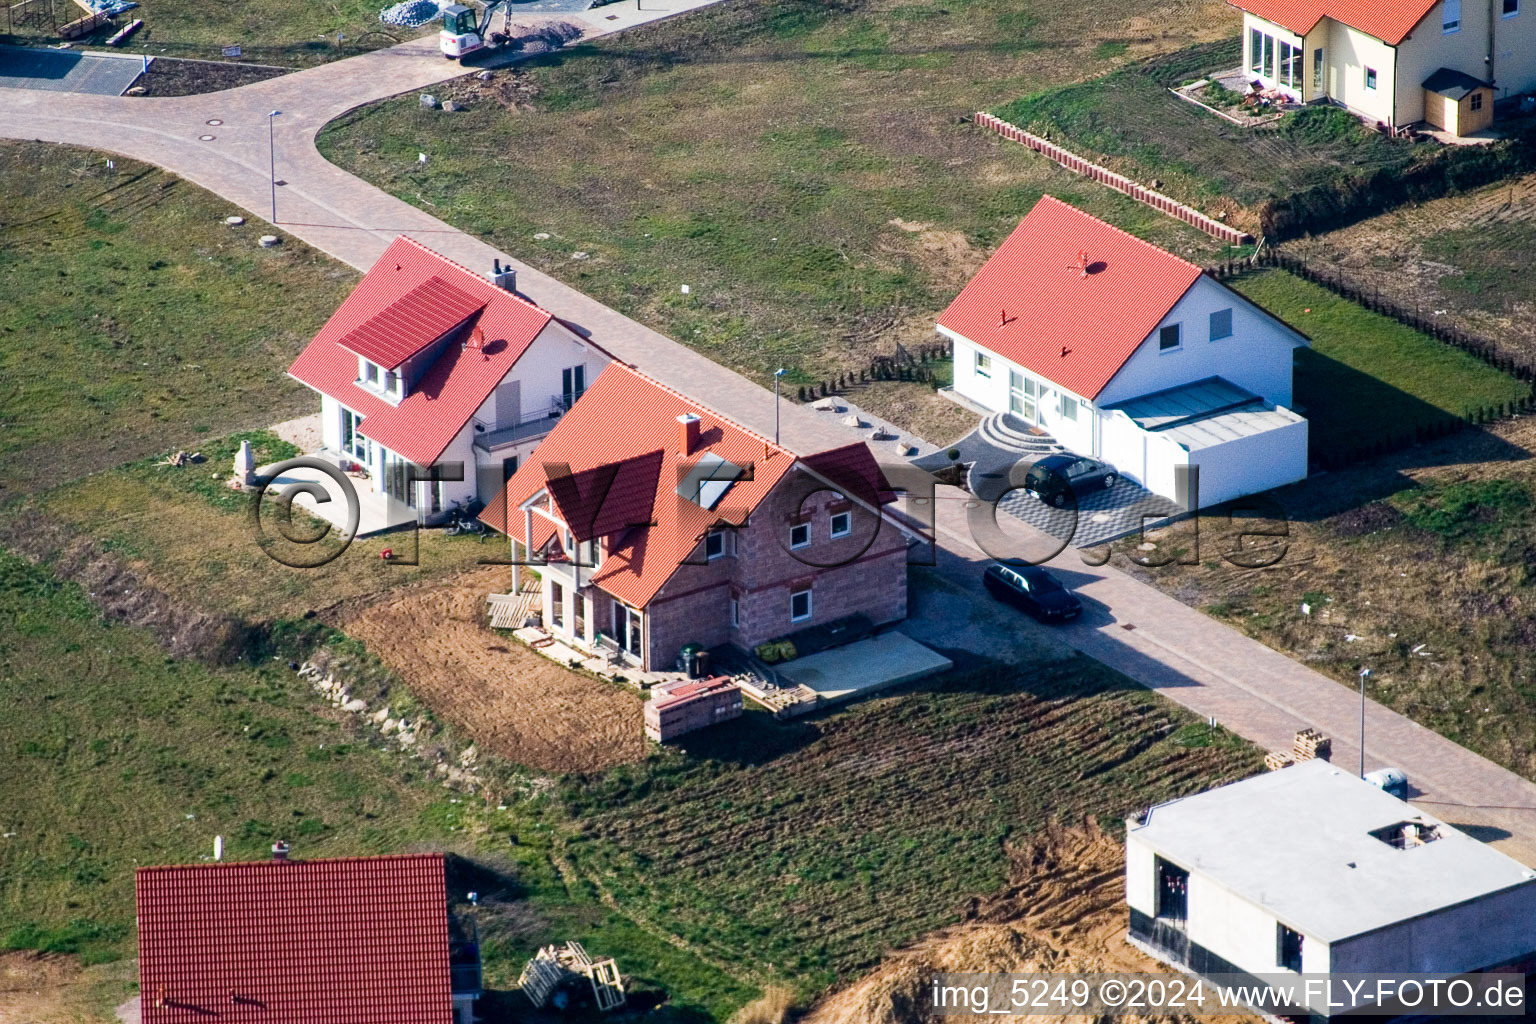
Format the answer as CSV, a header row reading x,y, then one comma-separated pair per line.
x,y
992,392
330,423
1483,933
1427,49
1349,53
538,371
1249,465
1258,356
1514,53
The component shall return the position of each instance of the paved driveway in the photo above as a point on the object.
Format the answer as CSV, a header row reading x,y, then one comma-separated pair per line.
x,y
67,71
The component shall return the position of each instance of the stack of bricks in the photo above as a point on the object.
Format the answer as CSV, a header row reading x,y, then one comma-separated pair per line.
x,y
1312,744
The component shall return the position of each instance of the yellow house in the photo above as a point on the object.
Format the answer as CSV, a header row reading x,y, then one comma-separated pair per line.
x,y
1396,62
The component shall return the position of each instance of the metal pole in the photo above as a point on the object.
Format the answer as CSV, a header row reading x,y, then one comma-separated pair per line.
x,y
1363,673
776,375
272,160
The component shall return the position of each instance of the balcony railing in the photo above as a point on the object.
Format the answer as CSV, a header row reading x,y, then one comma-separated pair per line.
x,y
529,425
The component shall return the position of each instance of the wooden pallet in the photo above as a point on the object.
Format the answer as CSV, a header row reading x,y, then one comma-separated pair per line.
x,y
512,611
1312,744
1277,759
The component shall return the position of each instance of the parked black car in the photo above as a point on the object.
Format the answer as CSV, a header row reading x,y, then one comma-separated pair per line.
x,y
1034,590
1053,477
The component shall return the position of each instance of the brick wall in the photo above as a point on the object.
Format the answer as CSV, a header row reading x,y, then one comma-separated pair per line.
x,y
865,572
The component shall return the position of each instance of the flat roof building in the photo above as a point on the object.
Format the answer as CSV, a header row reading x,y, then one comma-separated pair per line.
x,y
1311,869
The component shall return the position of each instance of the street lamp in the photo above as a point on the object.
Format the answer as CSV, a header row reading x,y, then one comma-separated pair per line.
x,y
777,374
1363,674
272,161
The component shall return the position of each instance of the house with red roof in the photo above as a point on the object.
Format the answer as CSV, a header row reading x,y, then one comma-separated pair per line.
x,y
1396,62
656,522
358,940
428,363
1128,354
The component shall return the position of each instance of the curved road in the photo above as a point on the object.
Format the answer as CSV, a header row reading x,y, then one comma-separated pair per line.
x,y
1149,636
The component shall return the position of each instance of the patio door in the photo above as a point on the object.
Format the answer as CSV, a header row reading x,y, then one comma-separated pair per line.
x,y
1023,396
396,478
626,628
573,382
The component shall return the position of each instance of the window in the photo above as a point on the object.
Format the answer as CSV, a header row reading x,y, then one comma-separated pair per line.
x,y
714,544
800,605
626,628
1450,16
799,535
1317,69
1068,408
573,383
1477,101
1022,393
1287,948
370,373
1370,78
392,384
556,605
1256,51
1269,55
1172,892
352,440
1288,73
983,365
1221,324
1511,8
1168,338
842,524
735,611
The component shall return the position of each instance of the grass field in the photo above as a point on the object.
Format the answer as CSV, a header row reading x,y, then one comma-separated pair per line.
x,y
1423,558
800,166
1313,169
187,533
1462,257
135,320
126,757
286,33
1368,378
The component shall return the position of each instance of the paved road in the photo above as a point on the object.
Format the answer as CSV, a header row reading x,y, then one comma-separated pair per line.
x,y
1188,657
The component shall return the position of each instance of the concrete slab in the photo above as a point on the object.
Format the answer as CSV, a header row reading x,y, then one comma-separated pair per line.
x,y
842,673
376,513
67,71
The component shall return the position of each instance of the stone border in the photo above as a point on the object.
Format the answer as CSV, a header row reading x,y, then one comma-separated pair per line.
x,y
1118,182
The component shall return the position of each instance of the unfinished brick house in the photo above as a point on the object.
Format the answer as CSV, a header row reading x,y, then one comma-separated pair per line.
x,y
658,523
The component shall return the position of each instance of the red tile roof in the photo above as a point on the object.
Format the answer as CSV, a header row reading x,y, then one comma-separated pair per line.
x,y
622,436
1033,305
354,941
439,404
1387,20
411,323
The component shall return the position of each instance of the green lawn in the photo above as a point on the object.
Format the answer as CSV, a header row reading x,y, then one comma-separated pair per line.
x,y
135,320
802,167
1312,170
189,534
1367,378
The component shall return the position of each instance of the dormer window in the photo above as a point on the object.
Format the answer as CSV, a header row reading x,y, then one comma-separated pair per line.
x,y
393,385
389,383
370,373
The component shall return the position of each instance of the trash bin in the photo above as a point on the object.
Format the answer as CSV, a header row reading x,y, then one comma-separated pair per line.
x,y
688,660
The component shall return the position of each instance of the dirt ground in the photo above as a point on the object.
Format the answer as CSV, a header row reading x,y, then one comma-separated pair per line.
x,y
48,988
1062,912
511,701
171,77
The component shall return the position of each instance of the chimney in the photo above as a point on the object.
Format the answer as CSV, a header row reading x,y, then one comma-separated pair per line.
x,y
504,278
280,851
687,433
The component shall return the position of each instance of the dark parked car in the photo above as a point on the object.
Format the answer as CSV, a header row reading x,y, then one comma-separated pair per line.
x,y
1033,589
1055,476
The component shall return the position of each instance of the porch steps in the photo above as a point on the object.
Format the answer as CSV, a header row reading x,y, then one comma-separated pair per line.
x,y
1005,430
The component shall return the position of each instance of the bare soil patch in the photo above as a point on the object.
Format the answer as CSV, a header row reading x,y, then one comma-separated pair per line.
x,y
511,701
1063,911
51,988
169,76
